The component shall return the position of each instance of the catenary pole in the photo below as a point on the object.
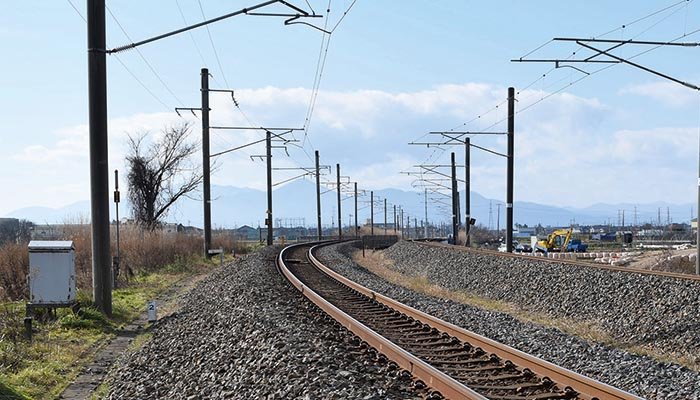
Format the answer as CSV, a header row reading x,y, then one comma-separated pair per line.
x,y
425,228
455,205
357,227
467,191
268,144
99,169
371,212
384,216
319,231
340,215
509,194
206,170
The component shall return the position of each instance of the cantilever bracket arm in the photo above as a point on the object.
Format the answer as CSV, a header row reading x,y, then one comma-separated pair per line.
x,y
300,13
613,58
643,68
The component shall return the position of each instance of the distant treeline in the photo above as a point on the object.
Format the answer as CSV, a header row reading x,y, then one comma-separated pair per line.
x,y
13,230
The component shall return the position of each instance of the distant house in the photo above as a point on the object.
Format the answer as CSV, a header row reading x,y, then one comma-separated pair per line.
x,y
246,232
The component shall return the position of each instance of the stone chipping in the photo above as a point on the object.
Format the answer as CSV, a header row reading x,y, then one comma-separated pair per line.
x,y
245,333
636,309
562,292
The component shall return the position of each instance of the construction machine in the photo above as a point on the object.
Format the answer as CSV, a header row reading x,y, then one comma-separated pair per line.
x,y
560,241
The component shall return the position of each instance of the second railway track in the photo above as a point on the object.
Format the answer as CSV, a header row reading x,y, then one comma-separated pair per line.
x,y
455,362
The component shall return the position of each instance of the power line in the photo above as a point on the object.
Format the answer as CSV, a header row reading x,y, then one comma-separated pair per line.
x,y
148,64
199,51
128,70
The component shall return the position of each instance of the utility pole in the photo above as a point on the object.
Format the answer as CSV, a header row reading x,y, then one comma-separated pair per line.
x,y
467,190
371,212
408,226
385,217
340,218
498,218
395,219
99,169
115,263
511,153
401,222
357,227
455,207
268,144
415,226
206,170
319,230
425,230
623,218
490,216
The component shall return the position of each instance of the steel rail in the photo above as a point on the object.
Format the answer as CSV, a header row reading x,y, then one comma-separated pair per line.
x,y
667,274
434,378
587,387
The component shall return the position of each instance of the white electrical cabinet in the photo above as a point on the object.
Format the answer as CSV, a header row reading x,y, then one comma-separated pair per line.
x,y
51,272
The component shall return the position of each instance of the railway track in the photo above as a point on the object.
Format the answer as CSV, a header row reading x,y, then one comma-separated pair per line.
x,y
453,361
563,261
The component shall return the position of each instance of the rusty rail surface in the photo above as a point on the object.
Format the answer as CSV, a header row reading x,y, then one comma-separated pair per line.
x,y
561,261
452,360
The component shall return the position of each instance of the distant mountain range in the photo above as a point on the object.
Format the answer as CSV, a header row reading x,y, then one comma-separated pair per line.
x,y
295,203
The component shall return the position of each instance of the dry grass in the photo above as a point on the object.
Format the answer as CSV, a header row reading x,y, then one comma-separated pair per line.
x,y
140,251
590,331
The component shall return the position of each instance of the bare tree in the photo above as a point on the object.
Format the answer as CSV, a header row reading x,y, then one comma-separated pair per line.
x,y
160,173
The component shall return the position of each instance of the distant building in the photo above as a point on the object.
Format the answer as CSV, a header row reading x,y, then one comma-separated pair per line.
x,y
246,232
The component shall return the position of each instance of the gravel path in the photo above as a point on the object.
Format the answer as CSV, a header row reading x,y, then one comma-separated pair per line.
x,y
246,333
637,374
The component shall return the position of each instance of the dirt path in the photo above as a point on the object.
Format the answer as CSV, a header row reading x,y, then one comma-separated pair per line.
x,y
104,357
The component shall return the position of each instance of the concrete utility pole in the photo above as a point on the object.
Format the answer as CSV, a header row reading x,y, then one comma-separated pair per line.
x,y
206,170
319,230
385,217
425,231
401,222
99,169
467,191
357,227
340,218
371,212
395,219
268,221
455,207
511,151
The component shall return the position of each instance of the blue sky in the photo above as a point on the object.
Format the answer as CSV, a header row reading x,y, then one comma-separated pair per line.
x,y
394,70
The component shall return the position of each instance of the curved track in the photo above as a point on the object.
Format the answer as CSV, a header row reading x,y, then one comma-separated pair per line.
x,y
455,362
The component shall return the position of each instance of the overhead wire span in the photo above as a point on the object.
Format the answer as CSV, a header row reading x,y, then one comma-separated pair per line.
x,y
492,109
128,70
196,46
221,68
148,64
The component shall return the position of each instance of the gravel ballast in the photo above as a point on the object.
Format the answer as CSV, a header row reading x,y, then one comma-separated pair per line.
x,y
636,309
637,374
244,332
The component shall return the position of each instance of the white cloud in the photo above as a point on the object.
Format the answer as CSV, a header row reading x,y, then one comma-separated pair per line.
x,y
569,150
668,93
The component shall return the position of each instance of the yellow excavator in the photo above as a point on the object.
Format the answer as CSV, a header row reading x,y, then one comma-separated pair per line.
x,y
560,241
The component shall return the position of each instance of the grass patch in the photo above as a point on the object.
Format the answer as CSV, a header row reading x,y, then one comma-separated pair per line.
x,y
43,368
591,331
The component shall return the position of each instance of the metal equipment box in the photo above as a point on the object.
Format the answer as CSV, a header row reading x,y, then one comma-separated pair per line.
x,y
51,272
